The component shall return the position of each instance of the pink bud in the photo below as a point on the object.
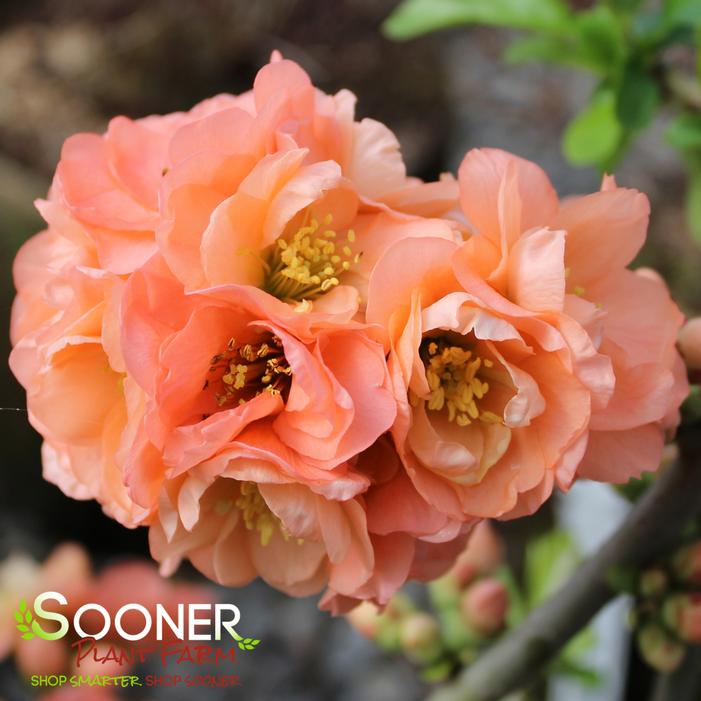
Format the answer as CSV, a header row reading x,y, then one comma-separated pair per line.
x,y
682,613
690,343
365,618
420,637
483,555
687,563
658,649
39,656
484,606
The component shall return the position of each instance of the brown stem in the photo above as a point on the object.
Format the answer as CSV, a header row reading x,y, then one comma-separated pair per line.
x,y
651,528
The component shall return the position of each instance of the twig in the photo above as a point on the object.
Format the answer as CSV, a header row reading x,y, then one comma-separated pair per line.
x,y
651,528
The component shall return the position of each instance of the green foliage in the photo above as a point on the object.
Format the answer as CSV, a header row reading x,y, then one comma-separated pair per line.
x,y
415,17
621,42
684,132
595,135
693,195
550,560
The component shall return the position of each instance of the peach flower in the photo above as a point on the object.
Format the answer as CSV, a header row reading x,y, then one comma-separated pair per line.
x,y
67,357
490,414
284,159
108,184
237,517
233,364
254,419
290,194
566,261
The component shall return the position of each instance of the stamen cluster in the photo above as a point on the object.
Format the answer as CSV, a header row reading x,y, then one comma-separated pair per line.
x,y
453,375
249,370
309,263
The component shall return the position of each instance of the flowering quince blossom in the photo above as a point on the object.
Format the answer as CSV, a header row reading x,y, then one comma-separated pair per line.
x,y
247,329
186,330
256,438
529,354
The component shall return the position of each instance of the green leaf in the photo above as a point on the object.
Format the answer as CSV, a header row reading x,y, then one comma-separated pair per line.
x,y
437,672
23,605
28,636
415,17
29,616
562,51
638,97
242,646
682,12
18,617
255,642
22,628
580,644
601,38
246,641
684,132
693,198
585,675
550,559
594,136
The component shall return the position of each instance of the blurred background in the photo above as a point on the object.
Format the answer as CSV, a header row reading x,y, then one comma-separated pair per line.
x,y
69,65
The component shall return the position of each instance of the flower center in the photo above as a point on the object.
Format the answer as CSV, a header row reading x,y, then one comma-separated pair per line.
x,y
309,263
256,514
454,376
248,370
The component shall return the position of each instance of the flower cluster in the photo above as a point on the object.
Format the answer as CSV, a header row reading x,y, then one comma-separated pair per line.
x,y
468,610
667,613
248,329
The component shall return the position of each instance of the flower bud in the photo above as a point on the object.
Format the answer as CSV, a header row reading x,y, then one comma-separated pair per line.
x,y
484,606
687,563
689,340
658,649
420,637
483,555
39,656
682,613
365,618
653,582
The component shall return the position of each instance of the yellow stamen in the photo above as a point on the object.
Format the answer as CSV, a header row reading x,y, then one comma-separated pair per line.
x,y
453,376
301,267
257,515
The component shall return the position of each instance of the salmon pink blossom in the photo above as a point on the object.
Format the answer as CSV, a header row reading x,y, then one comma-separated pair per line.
x,y
247,329
568,262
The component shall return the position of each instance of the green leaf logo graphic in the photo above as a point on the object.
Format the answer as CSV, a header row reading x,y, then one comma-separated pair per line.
x,y
23,618
245,643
